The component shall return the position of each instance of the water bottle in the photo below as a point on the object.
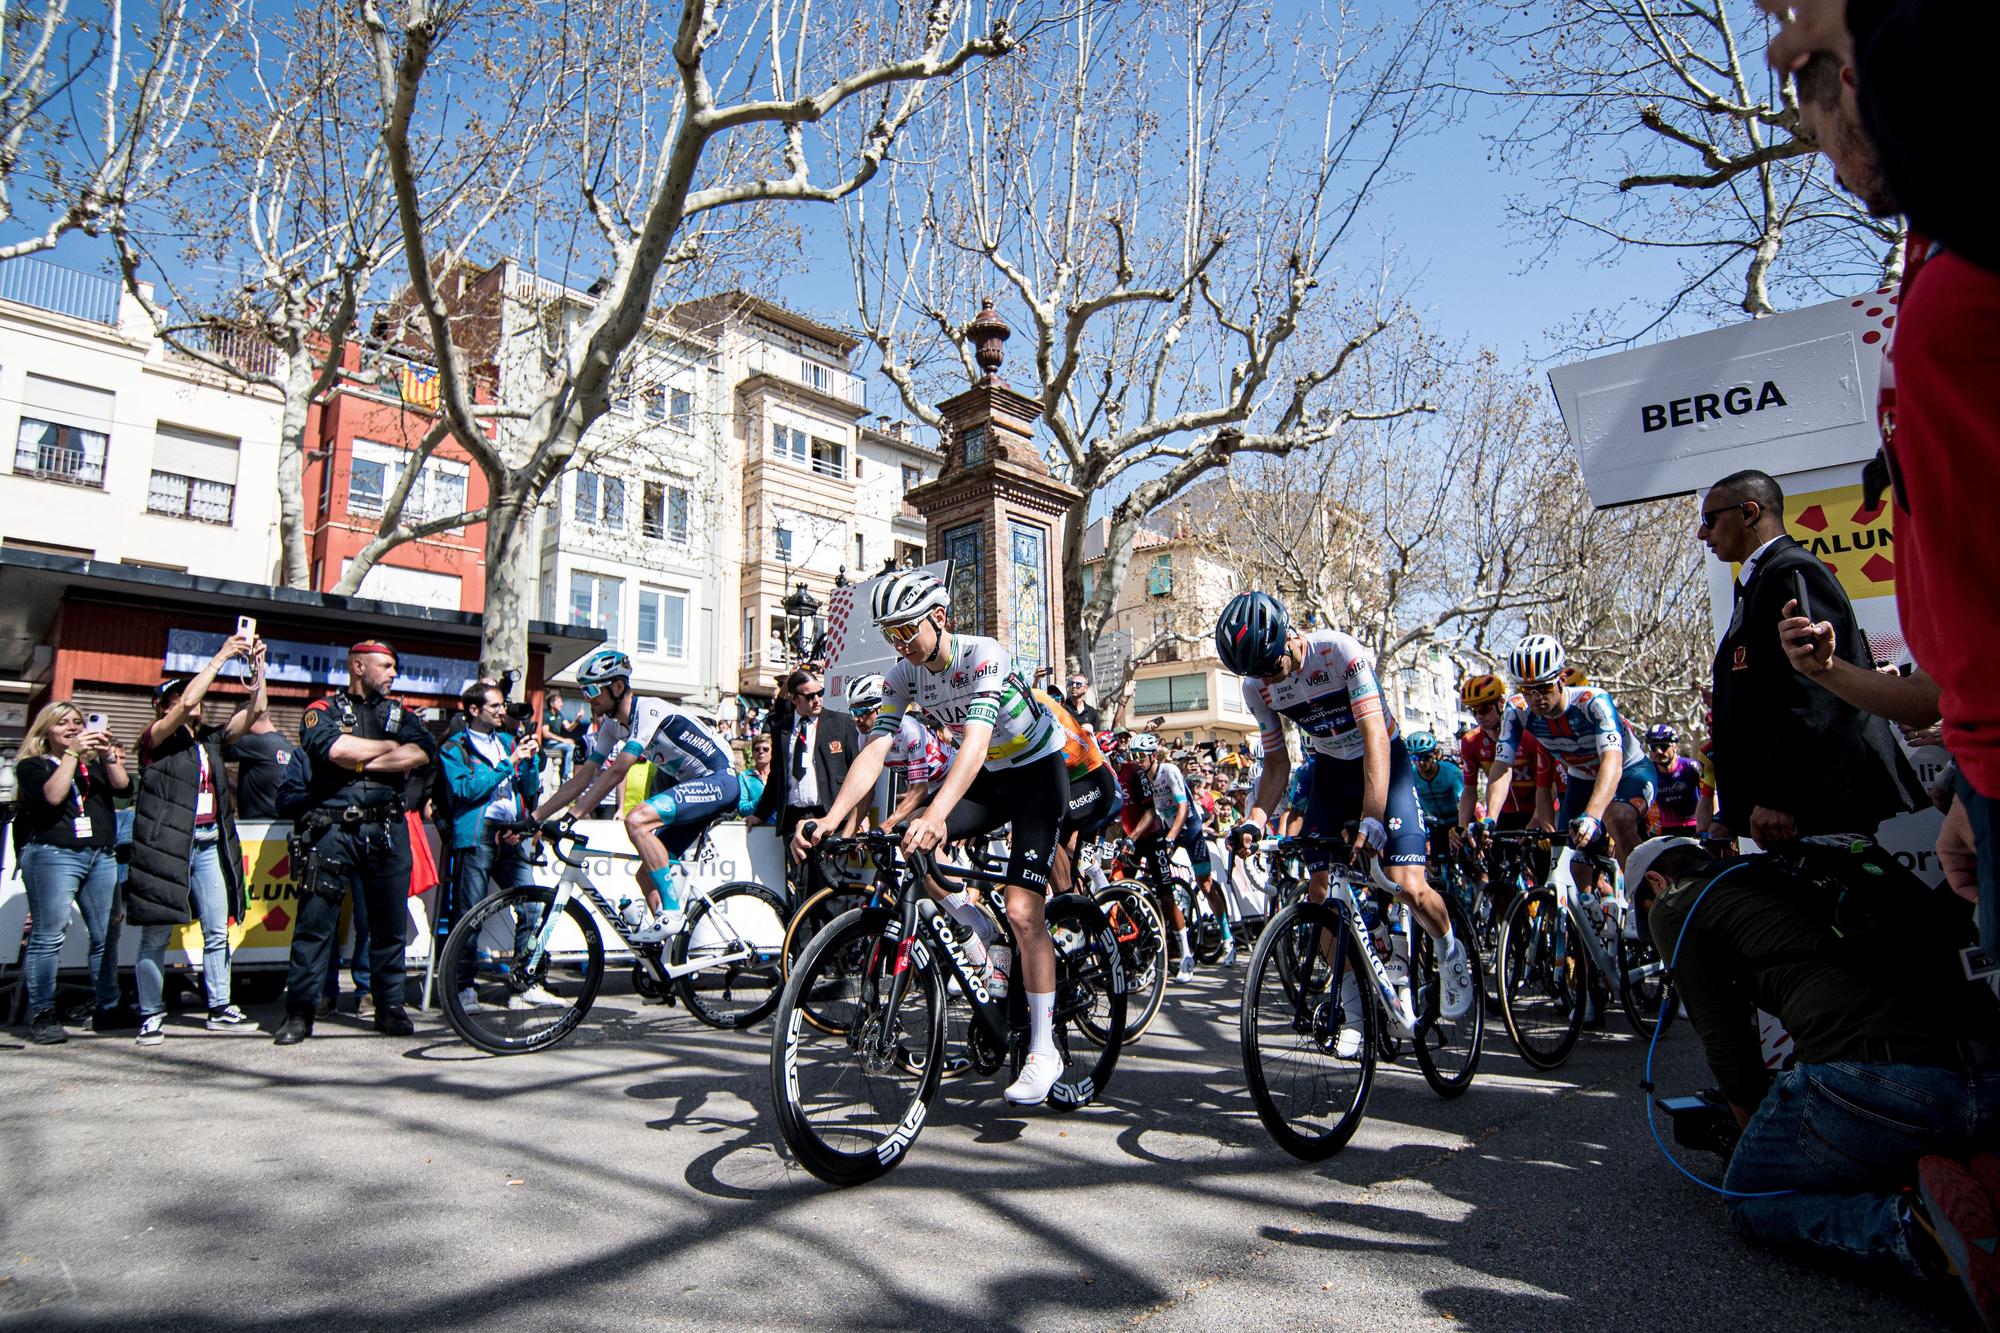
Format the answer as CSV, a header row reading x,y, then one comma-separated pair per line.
x,y
1002,960
1395,950
632,913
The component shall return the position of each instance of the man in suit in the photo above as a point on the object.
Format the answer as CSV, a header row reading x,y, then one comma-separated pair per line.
x,y
1791,759
811,756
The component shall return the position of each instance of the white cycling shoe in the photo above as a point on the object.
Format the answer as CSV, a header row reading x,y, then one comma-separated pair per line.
x,y
1039,1073
1186,969
1455,980
534,997
1347,1042
662,927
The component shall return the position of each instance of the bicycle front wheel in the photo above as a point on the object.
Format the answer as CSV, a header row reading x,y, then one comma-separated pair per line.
x,y
1448,1048
1645,987
852,1087
1142,938
737,936
1308,1042
494,997
1544,979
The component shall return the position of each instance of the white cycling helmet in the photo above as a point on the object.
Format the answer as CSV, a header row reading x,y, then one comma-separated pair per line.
x,y
907,595
1144,742
601,668
864,694
1537,660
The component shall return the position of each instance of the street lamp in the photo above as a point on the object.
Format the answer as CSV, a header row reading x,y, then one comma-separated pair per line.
x,y
804,628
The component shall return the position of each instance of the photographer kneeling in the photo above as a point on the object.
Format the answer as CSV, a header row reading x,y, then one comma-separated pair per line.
x,y
1895,1087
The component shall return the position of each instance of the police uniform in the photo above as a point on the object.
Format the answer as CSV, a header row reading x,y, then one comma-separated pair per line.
x,y
354,838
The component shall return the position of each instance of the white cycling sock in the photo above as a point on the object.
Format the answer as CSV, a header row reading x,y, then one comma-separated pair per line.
x,y
974,920
1181,937
1099,881
1041,1023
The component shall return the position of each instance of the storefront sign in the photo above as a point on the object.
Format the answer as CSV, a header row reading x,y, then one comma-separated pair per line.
x,y
293,663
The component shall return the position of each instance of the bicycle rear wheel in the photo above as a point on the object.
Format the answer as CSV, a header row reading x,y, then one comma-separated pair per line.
x,y
514,1008
1142,938
740,918
1309,1095
812,917
851,1101
1448,1048
1544,979
1645,987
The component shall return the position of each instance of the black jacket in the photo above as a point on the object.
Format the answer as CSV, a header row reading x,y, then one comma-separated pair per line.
x,y
1782,741
156,893
834,746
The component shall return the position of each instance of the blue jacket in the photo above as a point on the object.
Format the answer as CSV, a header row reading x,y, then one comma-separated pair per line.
x,y
472,783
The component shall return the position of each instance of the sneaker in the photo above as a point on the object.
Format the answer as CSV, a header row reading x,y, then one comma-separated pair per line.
x,y
1455,974
1039,1073
45,1029
660,928
468,997
1186,970
226,1017
1228,958
152,1030
1347,1042
1959,1217
534,997
364,1005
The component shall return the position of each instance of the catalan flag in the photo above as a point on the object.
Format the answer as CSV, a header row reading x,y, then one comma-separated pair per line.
x,y
420,387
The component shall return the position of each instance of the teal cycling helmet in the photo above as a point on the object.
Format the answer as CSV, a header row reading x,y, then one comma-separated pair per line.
x,y
1421,743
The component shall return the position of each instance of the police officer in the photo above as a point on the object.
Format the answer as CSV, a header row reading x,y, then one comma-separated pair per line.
x,y
364,749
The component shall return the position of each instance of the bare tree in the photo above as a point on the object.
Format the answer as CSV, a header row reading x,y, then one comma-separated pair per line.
x,y
92,108
1161,192
1655,126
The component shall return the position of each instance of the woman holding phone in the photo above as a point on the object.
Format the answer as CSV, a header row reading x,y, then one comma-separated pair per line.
x,y
68,772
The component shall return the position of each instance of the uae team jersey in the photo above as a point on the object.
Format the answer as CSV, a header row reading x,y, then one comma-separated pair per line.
x,y
1587,729
1326,697
919,754
674,742
978,686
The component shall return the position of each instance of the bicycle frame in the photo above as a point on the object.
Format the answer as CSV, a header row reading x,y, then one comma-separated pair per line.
x,y
575,880
1399,1001
1563,879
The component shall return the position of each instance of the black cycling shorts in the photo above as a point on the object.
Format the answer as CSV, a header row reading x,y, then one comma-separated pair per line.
x,y
1094,801
1031,797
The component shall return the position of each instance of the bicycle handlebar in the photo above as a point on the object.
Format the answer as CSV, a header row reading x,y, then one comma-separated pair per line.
x,y
552,833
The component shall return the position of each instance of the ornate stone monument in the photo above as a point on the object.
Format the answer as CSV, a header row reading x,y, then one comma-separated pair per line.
x,y
996,513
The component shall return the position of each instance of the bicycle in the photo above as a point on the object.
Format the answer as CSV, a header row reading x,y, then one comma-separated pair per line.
x,y
1554,941
723,963
1310,1094
851,1102
1141,933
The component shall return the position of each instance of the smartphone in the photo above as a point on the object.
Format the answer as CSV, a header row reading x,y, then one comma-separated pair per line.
x,y
97,722
246,627
1799,593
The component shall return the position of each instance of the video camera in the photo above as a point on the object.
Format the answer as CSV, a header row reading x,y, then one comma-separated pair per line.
x,y
1703,1122
518,710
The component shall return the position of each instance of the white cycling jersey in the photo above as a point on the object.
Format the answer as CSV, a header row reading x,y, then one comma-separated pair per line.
x,y
1587,729
1326,697
978,686
677,743
918,753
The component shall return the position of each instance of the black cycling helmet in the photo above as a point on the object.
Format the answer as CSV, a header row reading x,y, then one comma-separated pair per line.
x,y
1250,636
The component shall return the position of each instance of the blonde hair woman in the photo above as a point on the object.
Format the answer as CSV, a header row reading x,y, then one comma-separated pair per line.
x,y
68,772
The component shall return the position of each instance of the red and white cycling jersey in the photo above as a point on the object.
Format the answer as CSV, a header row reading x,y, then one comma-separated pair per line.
x,y
1326,697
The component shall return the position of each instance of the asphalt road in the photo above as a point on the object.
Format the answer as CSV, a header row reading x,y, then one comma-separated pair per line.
x,y
631,1179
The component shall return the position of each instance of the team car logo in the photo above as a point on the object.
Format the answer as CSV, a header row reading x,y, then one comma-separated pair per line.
x,y
958,678
987,669
1321,677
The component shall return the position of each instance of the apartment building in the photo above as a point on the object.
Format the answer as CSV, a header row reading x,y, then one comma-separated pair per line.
x,y
123,448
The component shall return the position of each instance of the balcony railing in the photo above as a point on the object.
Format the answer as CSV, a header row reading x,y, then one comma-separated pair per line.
x,y
54,463
190,497
764,359
829,467
65,291
247,353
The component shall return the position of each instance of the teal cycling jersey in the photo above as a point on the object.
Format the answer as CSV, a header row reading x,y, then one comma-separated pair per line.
x,y
1439,794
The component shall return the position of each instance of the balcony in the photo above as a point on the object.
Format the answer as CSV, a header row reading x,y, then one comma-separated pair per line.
x,y
62,291
54,462
236,347
792,368
175,496
829,465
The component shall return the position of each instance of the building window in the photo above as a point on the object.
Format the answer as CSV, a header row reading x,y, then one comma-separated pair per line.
x,y
176,496
791,445
599,501
663,623
65,431
594,600
912,477
815,375
966,550
194,475
656,403
750,636
909,554
782,543
1171,694
664,513
829,459
860,552
621,397
680,409
438,491
1160,579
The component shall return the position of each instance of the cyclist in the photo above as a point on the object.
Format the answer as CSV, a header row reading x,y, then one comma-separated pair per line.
x,y
864,701
1610,781
1440,785
1094,799
1325,683
1679,784
1009,767
1173,820
630,728
1531,797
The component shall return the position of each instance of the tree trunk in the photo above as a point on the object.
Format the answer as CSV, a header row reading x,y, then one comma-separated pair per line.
x,y
510,578
1077,644
294,568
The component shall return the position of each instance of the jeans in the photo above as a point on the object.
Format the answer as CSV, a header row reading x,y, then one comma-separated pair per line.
x,y
476,871
58,877
1979,810
1847,1137
564,751
208,895
372,861
358,965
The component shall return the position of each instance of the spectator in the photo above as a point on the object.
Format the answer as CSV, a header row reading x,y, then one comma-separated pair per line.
x,y
66,776
1080,705
1791,759
818,746
261,756
554,734
491,778
187,863
755,777
1894,1068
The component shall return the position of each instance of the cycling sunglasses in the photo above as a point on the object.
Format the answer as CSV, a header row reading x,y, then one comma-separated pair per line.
x,y
906,633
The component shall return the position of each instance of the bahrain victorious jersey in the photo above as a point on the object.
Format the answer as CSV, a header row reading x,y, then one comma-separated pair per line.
x,y
978,686
1326,698
1587,729
674,742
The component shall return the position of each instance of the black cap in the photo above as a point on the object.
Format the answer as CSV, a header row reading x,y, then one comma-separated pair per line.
x,y
168,688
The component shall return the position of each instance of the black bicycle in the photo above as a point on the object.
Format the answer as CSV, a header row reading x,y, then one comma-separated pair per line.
x,y
853,1082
